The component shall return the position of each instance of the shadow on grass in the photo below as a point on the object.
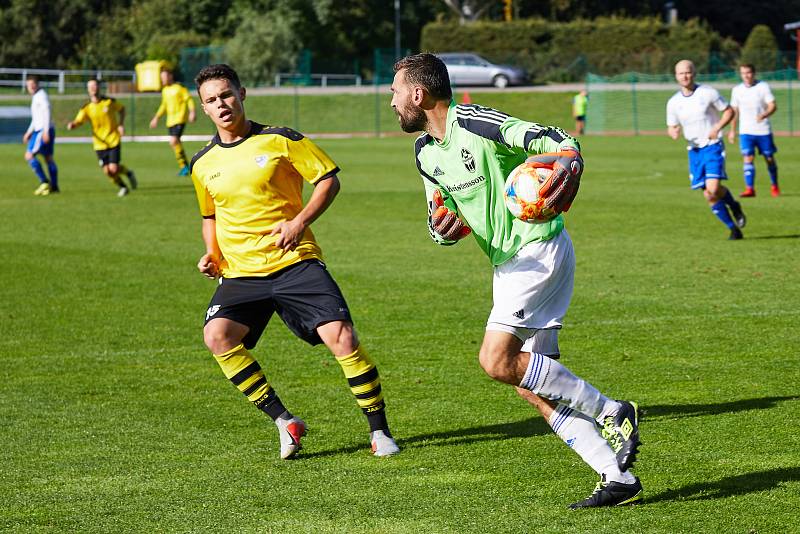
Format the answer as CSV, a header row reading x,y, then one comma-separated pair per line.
x,y
533,426
676,411
730,486
789,236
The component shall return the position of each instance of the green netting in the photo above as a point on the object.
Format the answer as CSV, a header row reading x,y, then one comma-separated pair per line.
x,y
635,103
194,59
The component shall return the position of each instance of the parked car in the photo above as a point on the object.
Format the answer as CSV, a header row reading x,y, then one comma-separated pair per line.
x,y
471,69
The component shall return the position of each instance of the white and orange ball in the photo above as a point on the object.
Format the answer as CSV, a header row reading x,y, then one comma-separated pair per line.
x,y
522,193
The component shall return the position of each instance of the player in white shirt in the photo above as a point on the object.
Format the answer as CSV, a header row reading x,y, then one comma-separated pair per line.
x,y
752,101
702,113
41,137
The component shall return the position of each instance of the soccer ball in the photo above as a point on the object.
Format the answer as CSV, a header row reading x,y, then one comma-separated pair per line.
x,y
522,194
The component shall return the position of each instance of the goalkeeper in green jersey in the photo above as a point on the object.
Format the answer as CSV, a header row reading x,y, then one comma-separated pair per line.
x,y
464,154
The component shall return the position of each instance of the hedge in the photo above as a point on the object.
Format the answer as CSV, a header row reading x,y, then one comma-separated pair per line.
x,y
565,51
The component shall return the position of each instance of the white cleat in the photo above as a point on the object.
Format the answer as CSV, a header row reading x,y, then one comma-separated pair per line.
x,y
383,444
122,191
290,431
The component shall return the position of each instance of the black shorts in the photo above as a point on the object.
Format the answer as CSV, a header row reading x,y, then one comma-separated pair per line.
x,y
304,295
176,130
110,155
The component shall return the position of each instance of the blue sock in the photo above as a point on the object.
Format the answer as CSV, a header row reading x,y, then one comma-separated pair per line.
x,y
729,200
53,170
773,173
749,175
721,211
37,169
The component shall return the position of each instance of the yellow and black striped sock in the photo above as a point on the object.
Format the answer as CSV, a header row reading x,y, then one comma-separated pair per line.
x,y
365,383
180,155
116,180
245,373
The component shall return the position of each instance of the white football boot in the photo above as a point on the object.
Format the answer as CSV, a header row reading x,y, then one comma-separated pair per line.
x,y
383,444
290,431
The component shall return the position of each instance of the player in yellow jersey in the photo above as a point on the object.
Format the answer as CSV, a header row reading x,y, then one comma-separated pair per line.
x,y
249,182
177,104
107,117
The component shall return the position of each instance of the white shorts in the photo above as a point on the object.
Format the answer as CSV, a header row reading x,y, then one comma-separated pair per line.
x,y
531,293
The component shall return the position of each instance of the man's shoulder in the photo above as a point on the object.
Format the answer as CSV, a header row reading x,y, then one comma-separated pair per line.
x,y
202,152
707,90
282,131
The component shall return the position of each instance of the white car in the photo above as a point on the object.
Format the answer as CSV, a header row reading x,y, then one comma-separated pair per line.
x,y
471,69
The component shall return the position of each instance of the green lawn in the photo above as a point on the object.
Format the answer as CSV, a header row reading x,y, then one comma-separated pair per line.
x,y
116,419
368,113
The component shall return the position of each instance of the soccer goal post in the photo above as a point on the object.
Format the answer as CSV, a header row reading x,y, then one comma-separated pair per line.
x,y
635,103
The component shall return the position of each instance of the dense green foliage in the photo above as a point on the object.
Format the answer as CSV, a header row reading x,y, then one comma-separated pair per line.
x,y
341,35
761,50
116,419
608,45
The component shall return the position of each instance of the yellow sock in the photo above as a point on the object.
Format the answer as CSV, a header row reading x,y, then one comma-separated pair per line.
x,y
364,381
180,155
245,373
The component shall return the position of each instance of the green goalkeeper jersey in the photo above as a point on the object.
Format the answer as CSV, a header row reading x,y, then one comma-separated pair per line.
x,y
469,167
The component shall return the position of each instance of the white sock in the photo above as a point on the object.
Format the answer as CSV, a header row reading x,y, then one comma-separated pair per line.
x,y
551,380
581,434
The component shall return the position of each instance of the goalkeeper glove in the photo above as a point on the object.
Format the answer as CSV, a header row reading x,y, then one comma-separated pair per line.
x,y
445,221
560,188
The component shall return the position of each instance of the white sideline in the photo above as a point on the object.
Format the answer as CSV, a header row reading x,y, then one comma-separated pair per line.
x,y
205,138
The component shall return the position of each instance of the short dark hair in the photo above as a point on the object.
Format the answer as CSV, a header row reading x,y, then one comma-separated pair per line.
x,y
95,80
219,71
428,71
33,78
748,66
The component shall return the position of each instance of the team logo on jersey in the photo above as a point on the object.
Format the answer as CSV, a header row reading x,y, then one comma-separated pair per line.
x,y
469,161
261,161
212,311
438,172
519,314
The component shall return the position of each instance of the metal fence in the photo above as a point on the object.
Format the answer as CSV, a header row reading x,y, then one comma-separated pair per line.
x,y
61,81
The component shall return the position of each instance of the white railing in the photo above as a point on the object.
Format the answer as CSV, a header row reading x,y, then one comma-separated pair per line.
x,y
15,77
323,78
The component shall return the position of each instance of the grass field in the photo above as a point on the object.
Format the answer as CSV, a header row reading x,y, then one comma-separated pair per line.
x,y
116,419
367,113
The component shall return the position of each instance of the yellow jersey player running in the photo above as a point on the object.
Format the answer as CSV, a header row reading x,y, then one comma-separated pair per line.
x,y
107,117
177,104
249,182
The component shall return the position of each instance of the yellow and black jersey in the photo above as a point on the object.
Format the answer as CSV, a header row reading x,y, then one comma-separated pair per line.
x,y
250,186
104,118
176,103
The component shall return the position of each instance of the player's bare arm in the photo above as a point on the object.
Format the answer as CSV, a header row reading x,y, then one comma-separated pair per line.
x,y
772,107
724,120
290,232
732,132
121,127
208,264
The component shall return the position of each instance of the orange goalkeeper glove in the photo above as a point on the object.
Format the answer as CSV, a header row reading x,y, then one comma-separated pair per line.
x,y
445,222
560,188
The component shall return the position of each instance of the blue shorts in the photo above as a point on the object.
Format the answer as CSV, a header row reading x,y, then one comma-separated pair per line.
x,y
36,144
748,143
706,163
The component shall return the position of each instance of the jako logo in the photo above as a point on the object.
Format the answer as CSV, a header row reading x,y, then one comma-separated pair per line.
x,y
261,161
211,311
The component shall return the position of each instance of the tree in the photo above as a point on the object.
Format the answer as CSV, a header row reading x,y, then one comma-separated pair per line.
x,y
761,49
265,43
